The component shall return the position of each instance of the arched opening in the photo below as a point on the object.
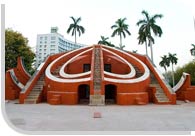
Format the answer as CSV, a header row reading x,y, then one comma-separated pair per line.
x,y
110,94
83,94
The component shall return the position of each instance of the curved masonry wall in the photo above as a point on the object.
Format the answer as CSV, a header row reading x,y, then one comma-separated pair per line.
x,y
66,79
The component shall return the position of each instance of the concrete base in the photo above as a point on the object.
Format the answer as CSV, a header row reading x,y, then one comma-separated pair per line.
x,y
97,100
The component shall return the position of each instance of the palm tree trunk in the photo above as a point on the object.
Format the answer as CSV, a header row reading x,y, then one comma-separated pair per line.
x,y
173,76
166,76
146,48
75,38
120,42
151,52
165,73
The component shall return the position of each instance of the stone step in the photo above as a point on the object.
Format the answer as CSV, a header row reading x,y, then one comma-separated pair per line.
x,y
29,101
159,94
161,97
41,81
163,100
36,90
33,96
33,93
38,86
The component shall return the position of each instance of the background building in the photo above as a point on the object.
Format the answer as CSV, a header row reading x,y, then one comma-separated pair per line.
x,y
52,43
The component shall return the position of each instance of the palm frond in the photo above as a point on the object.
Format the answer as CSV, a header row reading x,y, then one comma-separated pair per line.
x,y
114,26
157,30
141,22
73,31
127,31
74,20
114,33
156,16
78,20
70,28
144,12
82,29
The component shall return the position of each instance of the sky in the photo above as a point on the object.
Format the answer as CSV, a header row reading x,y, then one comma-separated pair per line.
x,y
32,17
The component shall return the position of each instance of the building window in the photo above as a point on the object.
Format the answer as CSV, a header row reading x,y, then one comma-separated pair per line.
x,y
41,38
40,46
45,37
52,41
40,41
86,67
107,67
53,38
40,49
52,46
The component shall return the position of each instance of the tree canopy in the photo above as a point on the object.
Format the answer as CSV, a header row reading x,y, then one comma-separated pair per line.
x,y
187,68
17,45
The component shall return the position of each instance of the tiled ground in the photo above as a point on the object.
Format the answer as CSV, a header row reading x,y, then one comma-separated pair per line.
x,y
151,117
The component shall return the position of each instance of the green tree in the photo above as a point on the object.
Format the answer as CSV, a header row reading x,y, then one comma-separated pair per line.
x,y
165,62
148,24
105,42
17,45
120,28
173,60
187,68
75,27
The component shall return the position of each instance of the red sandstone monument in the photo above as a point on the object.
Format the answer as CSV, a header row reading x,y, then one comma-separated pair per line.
x,y
95,75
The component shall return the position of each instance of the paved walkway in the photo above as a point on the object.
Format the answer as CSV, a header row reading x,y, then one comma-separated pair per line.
x,y
151,117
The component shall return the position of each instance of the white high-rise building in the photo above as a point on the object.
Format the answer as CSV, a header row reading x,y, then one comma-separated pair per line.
x,y
52,43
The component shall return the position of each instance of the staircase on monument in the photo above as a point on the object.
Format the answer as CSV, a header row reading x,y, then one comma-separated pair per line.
x,y
138,72
35,93
160,95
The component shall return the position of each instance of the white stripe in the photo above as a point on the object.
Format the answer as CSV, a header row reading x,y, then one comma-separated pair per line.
x,y
53,78
129,75
63,74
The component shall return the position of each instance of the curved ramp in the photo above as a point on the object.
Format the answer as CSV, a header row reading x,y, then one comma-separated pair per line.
x,y
16,78
183,88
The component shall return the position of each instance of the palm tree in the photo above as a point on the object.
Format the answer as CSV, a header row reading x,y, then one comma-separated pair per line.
x,y
120,28
76,28
165,62
148,24
173,60
105,42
